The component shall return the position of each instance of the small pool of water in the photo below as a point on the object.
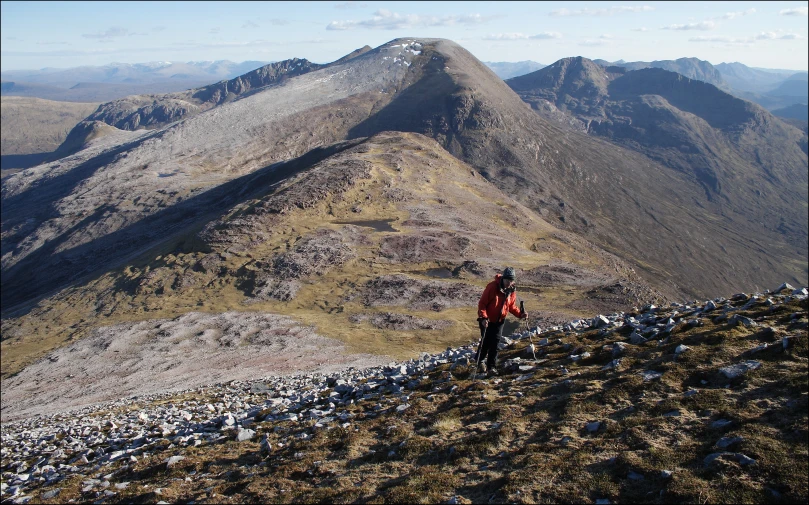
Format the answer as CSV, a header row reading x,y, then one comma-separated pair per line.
x,y
438,273
377,225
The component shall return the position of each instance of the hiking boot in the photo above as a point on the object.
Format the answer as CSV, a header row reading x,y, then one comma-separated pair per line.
x,y
481,368
492,372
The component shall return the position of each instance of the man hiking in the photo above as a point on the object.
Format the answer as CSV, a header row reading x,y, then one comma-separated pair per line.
x,y
498,299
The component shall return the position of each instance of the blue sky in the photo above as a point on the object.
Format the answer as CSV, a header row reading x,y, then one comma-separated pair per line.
x,y
68,34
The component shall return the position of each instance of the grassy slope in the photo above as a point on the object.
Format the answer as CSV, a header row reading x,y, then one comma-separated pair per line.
x,y
34,125
444,195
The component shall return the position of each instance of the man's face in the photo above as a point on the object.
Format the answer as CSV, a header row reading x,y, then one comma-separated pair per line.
x,y
507,283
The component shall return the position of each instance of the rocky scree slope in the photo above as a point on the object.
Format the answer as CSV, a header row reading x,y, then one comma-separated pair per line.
x,y
369,243
696,400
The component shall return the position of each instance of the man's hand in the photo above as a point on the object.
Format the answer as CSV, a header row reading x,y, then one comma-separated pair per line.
x,y
524,315
483,323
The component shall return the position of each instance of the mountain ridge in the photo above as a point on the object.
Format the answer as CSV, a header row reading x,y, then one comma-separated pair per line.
x,y
465,111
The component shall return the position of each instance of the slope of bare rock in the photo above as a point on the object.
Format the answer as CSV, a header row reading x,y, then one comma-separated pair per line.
x,y
153,111
156,356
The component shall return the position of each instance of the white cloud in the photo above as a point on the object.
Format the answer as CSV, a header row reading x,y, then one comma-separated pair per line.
x,y
250,24
610,11
214,31
506,36
349,5
387,20
522,36
798,11
748,40
278,22
641,29
702,25
606,36
115,31
213,45
737,14
703,38
546,35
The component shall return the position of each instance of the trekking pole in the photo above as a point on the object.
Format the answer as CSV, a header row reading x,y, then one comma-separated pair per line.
x,y
533,348
480,350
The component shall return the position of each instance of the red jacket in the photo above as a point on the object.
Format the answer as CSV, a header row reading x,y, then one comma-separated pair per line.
x,y
494,305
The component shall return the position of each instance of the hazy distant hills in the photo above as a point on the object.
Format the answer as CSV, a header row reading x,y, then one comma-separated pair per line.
x,y
138,73
509,69
116,80
93,91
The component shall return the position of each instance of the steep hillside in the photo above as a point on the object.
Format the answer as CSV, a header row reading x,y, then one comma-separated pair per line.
x,y
735,150
711,408
368,243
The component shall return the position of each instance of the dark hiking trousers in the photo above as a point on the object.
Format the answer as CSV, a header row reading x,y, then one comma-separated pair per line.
x,y
489,346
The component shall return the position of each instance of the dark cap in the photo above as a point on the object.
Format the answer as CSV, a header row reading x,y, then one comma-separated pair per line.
x,y
508,273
